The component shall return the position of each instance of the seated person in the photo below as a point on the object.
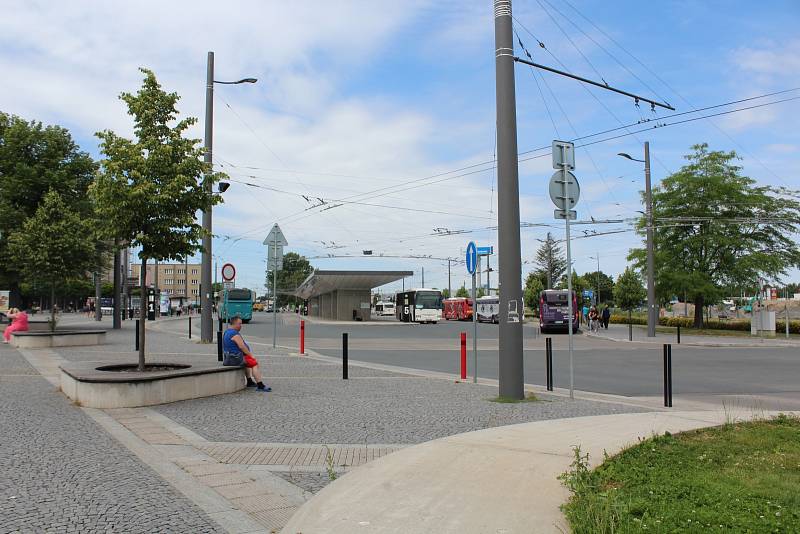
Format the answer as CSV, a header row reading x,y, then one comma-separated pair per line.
x,y
19,323
237,352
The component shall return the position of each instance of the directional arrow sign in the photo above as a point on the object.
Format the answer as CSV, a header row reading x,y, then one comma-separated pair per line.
x,y
472,258
276,234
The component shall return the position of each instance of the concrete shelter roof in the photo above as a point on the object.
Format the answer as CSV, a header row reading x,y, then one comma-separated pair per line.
x,y
321,282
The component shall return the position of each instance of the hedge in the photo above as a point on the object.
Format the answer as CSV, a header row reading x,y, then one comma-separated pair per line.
x,y
742,325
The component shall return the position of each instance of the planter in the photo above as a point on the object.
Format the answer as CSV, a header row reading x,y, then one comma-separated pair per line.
x,y
95,385
59,338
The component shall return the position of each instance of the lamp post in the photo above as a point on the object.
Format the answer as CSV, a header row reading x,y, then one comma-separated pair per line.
x,y
652,315
597,295
206,321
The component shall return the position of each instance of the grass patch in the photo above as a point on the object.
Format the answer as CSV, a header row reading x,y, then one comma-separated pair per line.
x,y
741,477
529,397
685,331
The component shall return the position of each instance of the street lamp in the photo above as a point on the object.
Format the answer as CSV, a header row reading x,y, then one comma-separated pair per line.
x,y
652,315
206,321
597,296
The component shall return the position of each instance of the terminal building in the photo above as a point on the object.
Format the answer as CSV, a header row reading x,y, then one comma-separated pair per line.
x,y
344,295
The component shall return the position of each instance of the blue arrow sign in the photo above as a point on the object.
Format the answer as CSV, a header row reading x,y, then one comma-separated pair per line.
x,y
472,258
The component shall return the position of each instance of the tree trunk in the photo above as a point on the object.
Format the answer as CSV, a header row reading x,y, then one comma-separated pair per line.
x,y
142,311
52,307
699,303
98,312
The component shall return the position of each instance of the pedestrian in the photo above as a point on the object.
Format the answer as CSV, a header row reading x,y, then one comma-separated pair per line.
x,y
19,323
606,316
594,324
237,352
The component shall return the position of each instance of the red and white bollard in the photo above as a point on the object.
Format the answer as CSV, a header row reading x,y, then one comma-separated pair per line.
x,y
463,355
302,337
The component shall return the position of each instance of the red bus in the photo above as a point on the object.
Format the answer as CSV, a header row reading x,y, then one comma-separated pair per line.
x,y
459,309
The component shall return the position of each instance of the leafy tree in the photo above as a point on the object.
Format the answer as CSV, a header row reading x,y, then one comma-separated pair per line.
x,y
480,292
463,292
53,245
714,228
579,283
606,288
629,292
533,288
35,159
551,262
150,188
445,293
296,268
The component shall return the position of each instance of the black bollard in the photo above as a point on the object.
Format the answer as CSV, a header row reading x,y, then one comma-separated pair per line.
x,y
679,334
219,343
549,362
668,375
136,343
344,356
190,328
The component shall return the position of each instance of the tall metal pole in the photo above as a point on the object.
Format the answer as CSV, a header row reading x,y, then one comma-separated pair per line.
x,y
488,270
206,322
117,319
423,277
569,270
98,293
509,260
449,281
652,313
275,294
597,297
475,326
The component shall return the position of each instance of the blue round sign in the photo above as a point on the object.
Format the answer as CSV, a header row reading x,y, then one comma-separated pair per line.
x,y
472,258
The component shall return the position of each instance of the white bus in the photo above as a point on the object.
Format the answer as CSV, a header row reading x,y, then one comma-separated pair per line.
x,y
488,309
384,308
419,306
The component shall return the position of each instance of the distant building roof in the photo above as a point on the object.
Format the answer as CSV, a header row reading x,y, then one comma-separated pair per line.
x,y
320,282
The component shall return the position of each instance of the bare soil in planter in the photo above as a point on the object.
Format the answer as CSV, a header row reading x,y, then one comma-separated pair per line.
x,y
148,368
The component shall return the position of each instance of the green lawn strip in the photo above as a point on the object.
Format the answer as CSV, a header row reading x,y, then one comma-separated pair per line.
x,y
742,477
717,332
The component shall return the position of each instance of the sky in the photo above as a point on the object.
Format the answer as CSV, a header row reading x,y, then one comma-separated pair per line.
x,y
363,110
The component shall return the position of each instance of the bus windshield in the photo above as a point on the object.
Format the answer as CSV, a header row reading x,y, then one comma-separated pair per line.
x,y
239,294
428,300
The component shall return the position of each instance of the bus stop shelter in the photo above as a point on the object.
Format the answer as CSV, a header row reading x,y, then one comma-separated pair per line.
x,y
344,295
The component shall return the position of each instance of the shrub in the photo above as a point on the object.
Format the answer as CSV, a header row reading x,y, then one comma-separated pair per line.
x,y
742,325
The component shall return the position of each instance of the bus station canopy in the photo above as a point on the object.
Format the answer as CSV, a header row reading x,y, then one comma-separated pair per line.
x,y
322,282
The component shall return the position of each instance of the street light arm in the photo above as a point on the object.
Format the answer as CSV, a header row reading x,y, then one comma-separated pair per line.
x,y
628,156
243,80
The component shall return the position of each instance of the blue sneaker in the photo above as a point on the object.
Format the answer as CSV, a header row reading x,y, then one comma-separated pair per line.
x,y
265,389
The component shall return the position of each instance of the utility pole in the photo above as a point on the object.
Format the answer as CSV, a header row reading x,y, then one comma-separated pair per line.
x,y
488,270
158,291
206,322
652,313
98,292
509,284
449,286
423,277
117,319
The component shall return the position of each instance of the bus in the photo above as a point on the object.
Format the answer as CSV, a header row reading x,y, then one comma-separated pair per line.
x,y
554,311
419,306
488,309
457,308
237,301
384,308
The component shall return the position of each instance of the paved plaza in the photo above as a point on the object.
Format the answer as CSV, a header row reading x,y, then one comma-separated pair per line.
x,y
242,462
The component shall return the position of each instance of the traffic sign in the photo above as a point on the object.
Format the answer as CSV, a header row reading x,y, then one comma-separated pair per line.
x,y
276,237
573,192
485,251
561,214
228,272
227,285
563,152
472,258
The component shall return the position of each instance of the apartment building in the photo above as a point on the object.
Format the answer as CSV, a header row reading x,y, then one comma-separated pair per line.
x,y
173,279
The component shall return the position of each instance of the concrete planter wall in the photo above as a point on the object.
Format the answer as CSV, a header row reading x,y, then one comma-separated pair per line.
x,y
59,338
87,386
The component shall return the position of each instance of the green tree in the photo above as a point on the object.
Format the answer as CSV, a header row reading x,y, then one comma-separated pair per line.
x,y
463,292
296,268
53,245
551,262
36,159
606,292
714,228
445,293
629,292
533,288
151,188
579,283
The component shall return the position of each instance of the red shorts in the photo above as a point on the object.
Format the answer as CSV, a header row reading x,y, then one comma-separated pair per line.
x,y
249,361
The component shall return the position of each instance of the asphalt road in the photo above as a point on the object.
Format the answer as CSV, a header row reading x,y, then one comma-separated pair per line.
x,y
604,366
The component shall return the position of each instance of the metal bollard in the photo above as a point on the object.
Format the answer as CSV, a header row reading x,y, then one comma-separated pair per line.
x,y
679,334
549,362
463,355
190,328
136,343
668,375
344,356
219,343
302,337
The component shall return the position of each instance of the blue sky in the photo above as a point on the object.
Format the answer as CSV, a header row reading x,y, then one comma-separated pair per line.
x,y
358,96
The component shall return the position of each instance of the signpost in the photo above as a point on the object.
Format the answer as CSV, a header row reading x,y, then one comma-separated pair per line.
x,y
565,192
472,267
276,240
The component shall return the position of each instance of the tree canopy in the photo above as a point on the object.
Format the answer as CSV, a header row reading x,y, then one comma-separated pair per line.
x,y
296,268
551,262
533,287
629,291
715,228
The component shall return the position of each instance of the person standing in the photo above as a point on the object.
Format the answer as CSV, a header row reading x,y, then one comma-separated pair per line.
x,y
606,316
237,352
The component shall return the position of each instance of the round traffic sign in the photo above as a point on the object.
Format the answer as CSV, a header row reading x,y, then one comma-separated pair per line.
x,y
472,257
557,190
228,272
